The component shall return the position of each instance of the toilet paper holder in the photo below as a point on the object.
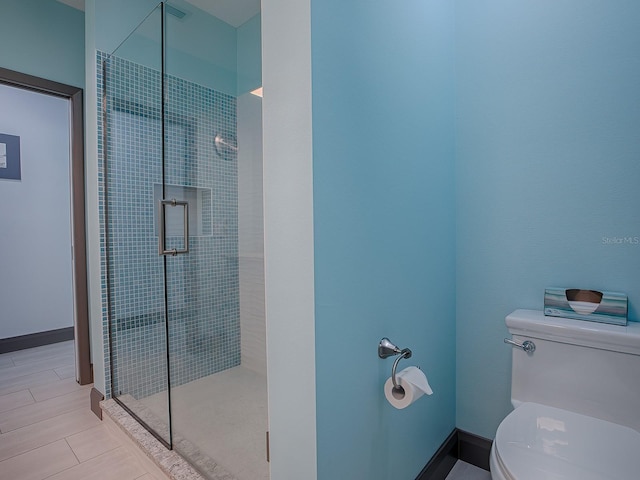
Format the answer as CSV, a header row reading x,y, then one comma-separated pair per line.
x,y
388,349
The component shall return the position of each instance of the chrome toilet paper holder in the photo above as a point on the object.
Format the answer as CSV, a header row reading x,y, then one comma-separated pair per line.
x,y
388,349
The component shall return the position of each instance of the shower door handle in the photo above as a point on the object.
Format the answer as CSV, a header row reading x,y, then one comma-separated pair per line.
x,y
162,249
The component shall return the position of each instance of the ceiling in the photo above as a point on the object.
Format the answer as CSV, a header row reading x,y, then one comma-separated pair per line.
x,y
233,12
79,4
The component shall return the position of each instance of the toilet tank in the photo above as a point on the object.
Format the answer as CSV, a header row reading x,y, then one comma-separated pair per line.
x,y
585,367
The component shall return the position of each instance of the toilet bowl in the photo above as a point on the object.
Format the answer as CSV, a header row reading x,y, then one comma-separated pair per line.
x,y
538,442
575,394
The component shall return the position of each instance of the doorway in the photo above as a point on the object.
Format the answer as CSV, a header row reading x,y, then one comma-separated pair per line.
x,y
29,288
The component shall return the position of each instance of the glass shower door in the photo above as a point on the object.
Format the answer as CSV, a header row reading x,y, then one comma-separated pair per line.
x,y
218,403
173,269
133,172
202,286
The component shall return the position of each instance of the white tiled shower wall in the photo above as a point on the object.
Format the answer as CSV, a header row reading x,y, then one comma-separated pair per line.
x,y
250,234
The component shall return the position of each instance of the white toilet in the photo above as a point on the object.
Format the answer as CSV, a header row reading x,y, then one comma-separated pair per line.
x,y
576,399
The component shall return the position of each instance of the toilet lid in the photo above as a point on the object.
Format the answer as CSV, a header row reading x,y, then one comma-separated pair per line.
x,y
538,442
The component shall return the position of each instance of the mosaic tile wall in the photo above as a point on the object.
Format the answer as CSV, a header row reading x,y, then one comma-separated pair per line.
x,y
202,286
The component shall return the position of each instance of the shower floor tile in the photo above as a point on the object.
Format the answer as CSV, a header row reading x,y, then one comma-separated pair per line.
x,y
225,416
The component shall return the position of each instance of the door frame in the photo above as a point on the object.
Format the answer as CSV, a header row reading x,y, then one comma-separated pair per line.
x,y
84,368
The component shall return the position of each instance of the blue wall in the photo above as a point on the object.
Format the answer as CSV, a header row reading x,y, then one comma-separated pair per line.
x,y
43,38
384,230
548,110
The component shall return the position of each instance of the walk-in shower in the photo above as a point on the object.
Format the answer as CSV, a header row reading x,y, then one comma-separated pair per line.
x,y
180,199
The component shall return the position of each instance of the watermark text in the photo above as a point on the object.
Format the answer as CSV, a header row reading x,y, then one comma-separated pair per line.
x,y
625,240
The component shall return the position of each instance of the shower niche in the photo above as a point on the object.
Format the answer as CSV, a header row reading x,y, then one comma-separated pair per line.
x,y
180,207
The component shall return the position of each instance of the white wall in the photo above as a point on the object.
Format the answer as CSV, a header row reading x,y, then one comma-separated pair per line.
x,y
288,239
35,243
251,234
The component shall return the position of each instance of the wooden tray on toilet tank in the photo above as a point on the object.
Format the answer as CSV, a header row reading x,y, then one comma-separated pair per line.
x,y
590,305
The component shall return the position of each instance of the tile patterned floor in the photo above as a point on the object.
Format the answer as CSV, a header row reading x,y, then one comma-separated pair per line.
x,y
465,471
47,430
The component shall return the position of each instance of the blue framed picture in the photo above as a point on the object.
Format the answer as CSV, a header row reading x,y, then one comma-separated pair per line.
x,y
9,157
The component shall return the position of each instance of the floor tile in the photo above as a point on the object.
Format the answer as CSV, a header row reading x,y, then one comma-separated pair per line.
x,y
53,357
55,362
5,361
117,464
35,412
44,351
465,471
11,385
66,371
55,389
60,363
15,399
39,463
92,443
11,373
47,431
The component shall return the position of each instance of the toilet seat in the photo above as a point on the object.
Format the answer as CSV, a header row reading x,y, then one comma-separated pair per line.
x,y
538,442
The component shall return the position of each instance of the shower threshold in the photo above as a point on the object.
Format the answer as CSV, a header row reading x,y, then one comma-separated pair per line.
x,y
225,417
169,462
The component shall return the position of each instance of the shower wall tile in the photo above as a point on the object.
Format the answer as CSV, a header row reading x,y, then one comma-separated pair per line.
x,y
251,234
252,314
202,286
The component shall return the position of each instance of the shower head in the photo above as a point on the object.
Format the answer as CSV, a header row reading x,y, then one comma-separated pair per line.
x,y
225,145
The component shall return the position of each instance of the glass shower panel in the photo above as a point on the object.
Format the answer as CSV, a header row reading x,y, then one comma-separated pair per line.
x,y
177,265
133,171
218,407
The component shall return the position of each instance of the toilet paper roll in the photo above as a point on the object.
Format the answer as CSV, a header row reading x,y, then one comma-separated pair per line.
x,y
414,385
